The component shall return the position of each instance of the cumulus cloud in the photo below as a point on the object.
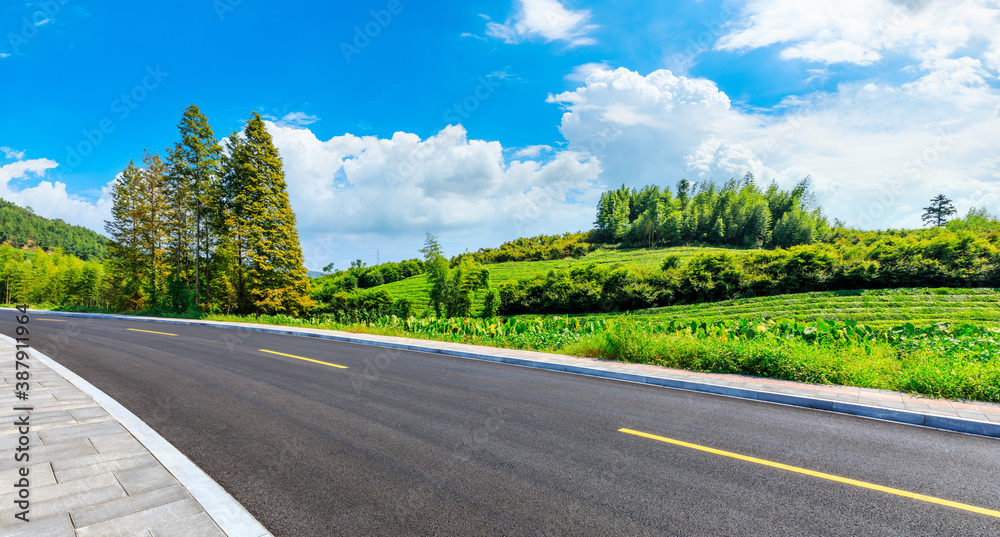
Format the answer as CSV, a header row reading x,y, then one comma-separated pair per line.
x,y
546,19
355,193
581,72
875,153
50,199
641,127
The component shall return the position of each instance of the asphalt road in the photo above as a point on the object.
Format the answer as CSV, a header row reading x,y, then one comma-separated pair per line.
x,y
406,443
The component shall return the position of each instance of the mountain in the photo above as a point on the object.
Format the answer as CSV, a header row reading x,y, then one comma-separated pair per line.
x,y
22,228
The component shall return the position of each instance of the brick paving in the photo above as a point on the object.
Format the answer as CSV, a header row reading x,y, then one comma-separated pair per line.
x,y
88,475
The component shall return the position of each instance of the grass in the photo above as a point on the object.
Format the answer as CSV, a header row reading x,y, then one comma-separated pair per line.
x,y
948,366
877,365
879,308
416,288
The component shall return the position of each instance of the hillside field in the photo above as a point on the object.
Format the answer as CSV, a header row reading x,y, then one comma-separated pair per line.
x,y
879,308
416,288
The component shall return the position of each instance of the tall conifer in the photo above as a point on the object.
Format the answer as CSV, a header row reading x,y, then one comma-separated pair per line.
x,y
153,210
271,276
124,262
194,163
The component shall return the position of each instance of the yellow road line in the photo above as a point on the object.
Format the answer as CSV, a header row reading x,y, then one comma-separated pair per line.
x,y
862,484
150,332
53,320
306,359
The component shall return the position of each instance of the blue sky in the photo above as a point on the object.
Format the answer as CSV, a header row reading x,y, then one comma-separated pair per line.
x,y
482,121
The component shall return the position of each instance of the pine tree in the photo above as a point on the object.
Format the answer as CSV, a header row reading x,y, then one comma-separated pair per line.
x,y
153,209
194,169
939,211
124,256
271,276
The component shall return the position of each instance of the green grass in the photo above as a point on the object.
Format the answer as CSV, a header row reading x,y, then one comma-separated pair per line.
x,y
416,289
879,308
879,365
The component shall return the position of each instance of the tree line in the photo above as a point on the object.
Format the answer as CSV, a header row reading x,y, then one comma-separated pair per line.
x,y
55,278
207,228
963,252
738,213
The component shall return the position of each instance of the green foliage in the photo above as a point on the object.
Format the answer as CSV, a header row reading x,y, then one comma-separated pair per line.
x,y
939,211
879,308
192,193
737,213
491,304
259,226
22,228
540,248
137,264
54,278
854,260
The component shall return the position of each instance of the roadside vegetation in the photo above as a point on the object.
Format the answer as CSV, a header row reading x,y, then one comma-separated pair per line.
x,y
730,279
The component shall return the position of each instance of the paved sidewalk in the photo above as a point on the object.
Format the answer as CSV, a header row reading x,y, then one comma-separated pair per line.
x,y
87,474
959,416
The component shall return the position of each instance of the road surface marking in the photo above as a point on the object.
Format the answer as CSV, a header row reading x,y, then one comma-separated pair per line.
x,y
306,359
150,332
52,320
862,484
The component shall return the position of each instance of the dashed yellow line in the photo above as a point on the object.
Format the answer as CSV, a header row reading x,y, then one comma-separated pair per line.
x,y
150,332
306,359
848,481
53,320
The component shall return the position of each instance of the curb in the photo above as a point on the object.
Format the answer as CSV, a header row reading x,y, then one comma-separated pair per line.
x,y
947,423
231,517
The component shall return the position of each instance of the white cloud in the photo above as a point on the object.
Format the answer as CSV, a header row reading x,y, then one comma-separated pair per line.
x,y
876,153
293,119
12,154
581,72
532,151
642,127
546,19
357,194
864,31
50,199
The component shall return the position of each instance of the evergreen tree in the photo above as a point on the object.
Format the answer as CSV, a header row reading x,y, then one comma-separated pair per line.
x,y
153,209
939,211
125,229
194,164
261,225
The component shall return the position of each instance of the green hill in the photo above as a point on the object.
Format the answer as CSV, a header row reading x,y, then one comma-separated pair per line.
x,y
416,289
22,228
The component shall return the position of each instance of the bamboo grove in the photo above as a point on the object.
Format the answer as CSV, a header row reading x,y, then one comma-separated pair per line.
x,y
206,229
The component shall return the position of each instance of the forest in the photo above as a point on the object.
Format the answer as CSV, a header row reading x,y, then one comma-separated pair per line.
x,y
22,228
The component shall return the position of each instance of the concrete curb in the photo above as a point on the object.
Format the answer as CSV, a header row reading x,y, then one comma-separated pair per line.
x,y
227,513
946,423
